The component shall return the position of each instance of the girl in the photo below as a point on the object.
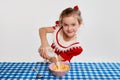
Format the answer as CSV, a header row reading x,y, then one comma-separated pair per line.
x,y
65,43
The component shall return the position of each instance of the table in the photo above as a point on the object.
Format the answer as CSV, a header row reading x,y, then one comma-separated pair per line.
x,y
78,71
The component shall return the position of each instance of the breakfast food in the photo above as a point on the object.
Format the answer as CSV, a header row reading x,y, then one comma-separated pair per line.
x,y
61,67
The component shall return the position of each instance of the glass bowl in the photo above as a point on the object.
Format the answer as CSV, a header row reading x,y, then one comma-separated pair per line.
x,y
59,70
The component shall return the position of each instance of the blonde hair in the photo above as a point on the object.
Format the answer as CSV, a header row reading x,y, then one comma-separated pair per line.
x,y
69,12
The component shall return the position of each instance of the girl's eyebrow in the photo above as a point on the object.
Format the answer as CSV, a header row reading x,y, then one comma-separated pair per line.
x,y
65,23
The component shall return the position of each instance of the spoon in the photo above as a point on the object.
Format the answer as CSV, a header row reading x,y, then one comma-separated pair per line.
x,y
38,75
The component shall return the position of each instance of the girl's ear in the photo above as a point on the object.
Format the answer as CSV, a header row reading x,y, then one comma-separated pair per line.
x,y
80,23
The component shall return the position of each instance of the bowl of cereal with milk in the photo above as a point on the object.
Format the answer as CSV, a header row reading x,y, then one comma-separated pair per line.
x,y
59,69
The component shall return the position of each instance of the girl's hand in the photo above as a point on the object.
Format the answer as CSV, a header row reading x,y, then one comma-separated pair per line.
x,y
53,59
43,52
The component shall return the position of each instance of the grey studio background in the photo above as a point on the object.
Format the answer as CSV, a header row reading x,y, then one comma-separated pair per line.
x,y
21,19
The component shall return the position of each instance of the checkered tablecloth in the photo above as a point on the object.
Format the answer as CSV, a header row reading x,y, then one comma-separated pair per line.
x,y
78,71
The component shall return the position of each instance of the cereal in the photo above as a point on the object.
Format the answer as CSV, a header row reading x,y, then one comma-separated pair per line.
x,y
62,67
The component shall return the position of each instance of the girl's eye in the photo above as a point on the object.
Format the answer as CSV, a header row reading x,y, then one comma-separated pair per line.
x,y
65,25
73,24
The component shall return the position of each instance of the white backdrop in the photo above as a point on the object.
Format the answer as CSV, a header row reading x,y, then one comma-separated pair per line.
x,y
21,19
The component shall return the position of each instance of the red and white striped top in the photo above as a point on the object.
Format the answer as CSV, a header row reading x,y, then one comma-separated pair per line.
x,y
65,49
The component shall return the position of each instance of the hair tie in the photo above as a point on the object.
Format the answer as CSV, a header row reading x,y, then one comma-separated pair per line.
x,y
57,23
76,7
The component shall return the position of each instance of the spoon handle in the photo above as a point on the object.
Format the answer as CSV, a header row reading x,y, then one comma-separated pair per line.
x,y
38,75
35,70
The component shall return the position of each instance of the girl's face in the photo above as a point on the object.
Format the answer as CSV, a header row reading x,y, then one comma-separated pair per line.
x,y
70,26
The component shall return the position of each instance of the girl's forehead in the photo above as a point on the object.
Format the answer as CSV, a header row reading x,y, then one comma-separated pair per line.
x,y
72,15
69,18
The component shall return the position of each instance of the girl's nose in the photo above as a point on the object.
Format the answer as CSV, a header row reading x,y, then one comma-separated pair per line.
x,y
69,27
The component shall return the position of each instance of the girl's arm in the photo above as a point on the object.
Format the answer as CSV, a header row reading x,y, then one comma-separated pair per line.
x,y
42,33
44,42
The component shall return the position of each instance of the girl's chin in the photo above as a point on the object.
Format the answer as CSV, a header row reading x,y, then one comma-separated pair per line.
x,y
70,36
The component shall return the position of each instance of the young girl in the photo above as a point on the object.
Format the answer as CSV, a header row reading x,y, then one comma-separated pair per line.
x,y
65,43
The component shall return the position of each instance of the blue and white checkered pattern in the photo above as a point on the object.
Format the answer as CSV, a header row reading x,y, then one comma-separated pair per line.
x,y
78,71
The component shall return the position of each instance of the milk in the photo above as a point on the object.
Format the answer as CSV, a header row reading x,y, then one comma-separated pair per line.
x,y
52,54
57,63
